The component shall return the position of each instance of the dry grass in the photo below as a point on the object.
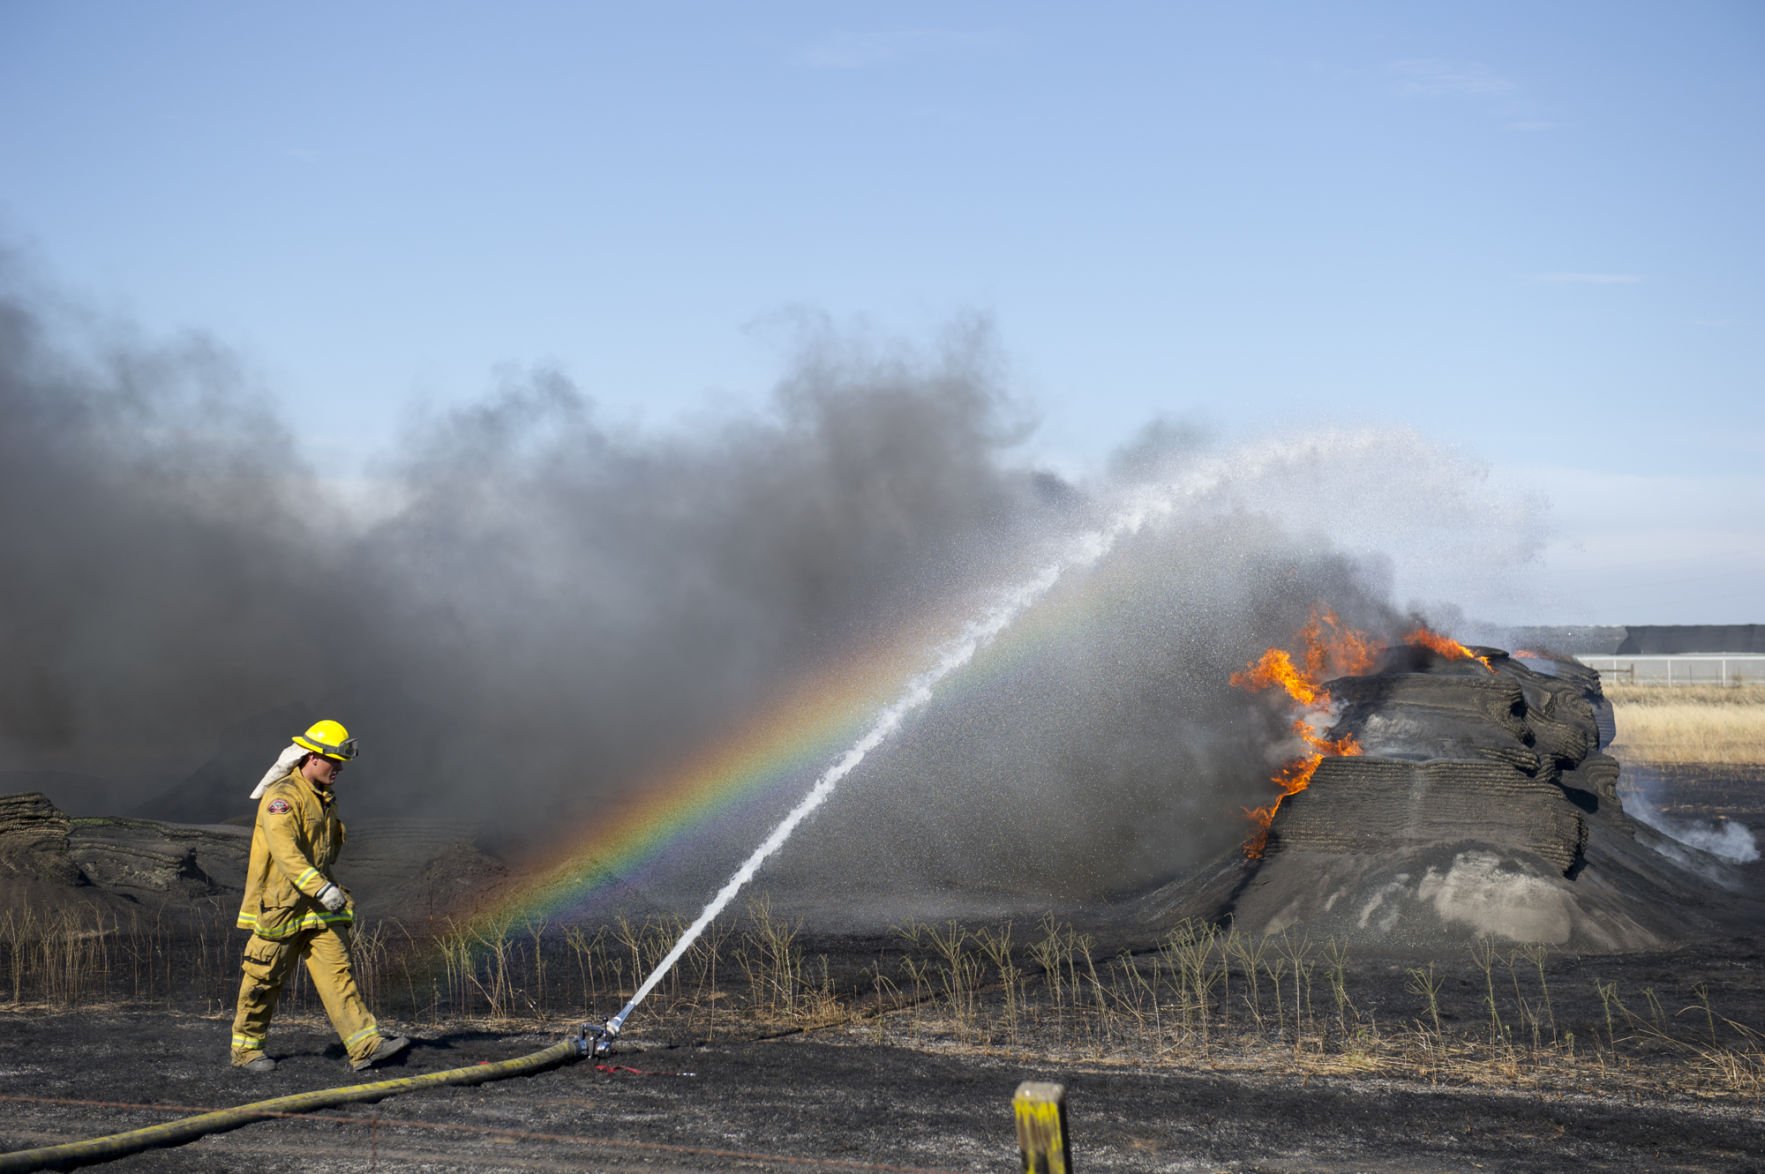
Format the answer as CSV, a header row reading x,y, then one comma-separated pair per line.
x,y
1212,998
1206,997
1689,724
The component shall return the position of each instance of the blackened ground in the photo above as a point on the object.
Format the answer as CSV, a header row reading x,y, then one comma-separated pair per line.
x,y
841,1101
1701,792
878,1096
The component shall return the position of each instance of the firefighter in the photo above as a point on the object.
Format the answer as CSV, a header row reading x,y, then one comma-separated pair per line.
x,y
293,908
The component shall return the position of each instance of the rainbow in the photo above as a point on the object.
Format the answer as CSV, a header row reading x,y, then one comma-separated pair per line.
x,y
817,719
803,730
800,730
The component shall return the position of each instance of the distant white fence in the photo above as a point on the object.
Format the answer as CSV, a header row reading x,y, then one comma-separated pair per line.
x,y
1686,668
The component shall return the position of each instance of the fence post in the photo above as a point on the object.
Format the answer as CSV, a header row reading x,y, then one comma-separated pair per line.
x,y
1041,1127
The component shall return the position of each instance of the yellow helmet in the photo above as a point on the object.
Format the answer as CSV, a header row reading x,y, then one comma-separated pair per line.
x,y
328,738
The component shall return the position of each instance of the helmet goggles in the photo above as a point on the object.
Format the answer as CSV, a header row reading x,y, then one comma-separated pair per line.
x,y
329,739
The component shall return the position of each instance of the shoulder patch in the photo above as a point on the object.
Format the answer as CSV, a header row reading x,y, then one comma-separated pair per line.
x,y
279,807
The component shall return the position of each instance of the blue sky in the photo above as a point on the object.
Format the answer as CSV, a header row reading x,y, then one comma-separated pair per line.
x,y
1530,232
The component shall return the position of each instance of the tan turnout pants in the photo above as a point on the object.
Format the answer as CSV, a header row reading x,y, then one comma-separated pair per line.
x,y
267,966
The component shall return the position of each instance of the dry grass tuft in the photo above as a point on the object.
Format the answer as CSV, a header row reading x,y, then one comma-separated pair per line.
x,y
1689,724
1205,997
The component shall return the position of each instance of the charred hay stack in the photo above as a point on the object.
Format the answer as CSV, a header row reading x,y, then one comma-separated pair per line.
x,y
1504,752
50,862
180,872
34,842
1481,805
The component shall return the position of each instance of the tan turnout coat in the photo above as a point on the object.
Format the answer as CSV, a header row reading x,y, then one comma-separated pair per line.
x,y
295,841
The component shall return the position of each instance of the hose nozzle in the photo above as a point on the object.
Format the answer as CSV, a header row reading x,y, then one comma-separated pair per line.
x,y
594,1040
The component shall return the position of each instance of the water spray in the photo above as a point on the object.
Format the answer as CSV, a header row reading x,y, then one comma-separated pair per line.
x,y
1143,506
592,1041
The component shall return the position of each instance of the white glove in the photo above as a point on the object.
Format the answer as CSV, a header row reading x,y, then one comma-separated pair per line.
x,y
332,897
284,763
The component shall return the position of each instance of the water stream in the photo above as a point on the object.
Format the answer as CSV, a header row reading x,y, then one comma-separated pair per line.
x,y
1142,507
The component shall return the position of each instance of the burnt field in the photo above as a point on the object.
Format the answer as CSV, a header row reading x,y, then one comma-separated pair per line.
x,y
1603,1063
1464,944
1192,1048
830,1102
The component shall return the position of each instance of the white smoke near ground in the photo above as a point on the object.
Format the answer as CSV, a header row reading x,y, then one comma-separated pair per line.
x,y
527,615
1720,837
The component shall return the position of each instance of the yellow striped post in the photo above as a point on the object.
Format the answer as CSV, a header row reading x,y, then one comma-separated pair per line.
x,y
1041,1127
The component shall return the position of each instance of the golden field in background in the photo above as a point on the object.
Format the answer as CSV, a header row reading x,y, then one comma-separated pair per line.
x,y
1689,725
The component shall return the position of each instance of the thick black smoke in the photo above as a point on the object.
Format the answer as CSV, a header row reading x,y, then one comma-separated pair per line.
x,y
541,608
166,555
527,613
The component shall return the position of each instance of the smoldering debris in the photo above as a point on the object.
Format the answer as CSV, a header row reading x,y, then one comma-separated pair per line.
x,y
1727,839
527,613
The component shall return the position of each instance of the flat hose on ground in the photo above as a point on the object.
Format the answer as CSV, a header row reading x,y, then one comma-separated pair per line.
x,y
118,1145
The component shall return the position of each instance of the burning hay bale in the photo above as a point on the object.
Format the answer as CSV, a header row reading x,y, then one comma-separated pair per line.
x,y
1451,749
1447,793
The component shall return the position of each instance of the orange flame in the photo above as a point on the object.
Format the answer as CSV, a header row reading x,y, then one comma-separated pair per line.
x,y
1293,778
1276,667
1445,646
1340,652
1330,650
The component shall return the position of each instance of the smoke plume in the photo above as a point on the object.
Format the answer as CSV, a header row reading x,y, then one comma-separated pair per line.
x,y
526,613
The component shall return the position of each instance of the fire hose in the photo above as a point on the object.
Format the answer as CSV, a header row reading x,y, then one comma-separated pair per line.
x,y
590,1040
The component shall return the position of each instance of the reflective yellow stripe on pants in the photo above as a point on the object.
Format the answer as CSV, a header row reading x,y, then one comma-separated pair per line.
x,y
266,968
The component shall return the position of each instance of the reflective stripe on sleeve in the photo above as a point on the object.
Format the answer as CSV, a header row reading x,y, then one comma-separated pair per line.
x,y
306,921
321,920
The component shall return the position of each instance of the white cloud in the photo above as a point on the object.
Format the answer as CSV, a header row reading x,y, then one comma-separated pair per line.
x,y
1432,76
1588,278
865,50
